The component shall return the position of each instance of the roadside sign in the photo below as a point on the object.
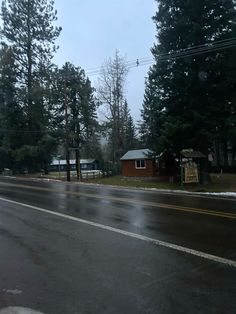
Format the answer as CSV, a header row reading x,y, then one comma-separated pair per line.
x,y
191,173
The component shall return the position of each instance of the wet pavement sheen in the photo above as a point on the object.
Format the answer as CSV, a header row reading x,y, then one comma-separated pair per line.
x,y
61,266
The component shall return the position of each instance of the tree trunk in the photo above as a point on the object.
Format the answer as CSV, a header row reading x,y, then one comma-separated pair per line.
x,y
225,152
67,165
77,160
217,154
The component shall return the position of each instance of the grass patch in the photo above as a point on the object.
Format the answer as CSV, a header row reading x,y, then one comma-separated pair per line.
x,y
219,182
225,182
138,183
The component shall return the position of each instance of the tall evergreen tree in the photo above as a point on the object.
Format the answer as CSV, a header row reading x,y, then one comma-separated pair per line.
x,y
189,97
11,116
28,28
152,115
74,107
128,130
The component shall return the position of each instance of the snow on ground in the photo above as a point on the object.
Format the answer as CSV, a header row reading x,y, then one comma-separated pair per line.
x,y
231,194
221,193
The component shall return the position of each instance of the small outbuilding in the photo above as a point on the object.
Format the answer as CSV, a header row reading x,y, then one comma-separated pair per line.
x,y
167,166
85,164
138,163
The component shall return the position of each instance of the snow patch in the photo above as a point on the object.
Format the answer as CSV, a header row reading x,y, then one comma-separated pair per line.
x,y
221,193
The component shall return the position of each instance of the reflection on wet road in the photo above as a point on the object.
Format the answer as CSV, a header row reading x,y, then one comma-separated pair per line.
x,y
43,240
202,223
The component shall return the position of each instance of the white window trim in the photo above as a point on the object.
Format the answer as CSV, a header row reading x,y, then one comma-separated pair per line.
x,y
136,167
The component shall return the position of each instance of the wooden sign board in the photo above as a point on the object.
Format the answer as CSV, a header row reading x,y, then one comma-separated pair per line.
x,y
191,173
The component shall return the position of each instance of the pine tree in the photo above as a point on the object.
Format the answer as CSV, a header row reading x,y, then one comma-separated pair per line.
x,y
11,117
152,114
28,28
128,130
189,99
74,107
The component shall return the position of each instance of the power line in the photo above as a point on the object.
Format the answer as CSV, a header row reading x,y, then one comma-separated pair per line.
x,y
177,55
23,131
192,51
182,53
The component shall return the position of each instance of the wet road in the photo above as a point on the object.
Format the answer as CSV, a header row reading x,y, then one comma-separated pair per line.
x,y
72,248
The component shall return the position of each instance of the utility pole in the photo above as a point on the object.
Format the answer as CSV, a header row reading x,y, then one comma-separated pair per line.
x,y
67,137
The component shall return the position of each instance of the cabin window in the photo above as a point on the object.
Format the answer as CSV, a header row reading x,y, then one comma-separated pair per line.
x,y
140,164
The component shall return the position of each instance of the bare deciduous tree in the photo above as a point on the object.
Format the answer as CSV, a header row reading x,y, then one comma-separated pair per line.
x,y
111,93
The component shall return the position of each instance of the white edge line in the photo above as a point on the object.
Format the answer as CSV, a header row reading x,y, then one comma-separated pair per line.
x,y
18,310
172,246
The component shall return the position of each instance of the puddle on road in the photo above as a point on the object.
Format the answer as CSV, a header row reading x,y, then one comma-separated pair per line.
x,y
18,310
12,291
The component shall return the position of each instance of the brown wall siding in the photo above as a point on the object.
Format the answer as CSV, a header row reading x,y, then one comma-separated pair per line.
x,y
129,170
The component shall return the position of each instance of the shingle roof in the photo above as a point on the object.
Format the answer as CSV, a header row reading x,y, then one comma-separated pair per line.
x,y
192,154
137,154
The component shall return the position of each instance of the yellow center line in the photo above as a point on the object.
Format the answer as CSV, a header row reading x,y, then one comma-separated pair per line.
x,y
210,212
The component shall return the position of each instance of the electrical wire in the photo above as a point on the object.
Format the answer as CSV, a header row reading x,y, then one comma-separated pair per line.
x,y
174,55
23,131
182,53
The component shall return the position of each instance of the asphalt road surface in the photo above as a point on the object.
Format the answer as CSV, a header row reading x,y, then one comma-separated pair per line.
x,y
76,248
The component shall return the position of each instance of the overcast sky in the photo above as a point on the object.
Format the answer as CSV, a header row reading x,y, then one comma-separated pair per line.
x,y
94,29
